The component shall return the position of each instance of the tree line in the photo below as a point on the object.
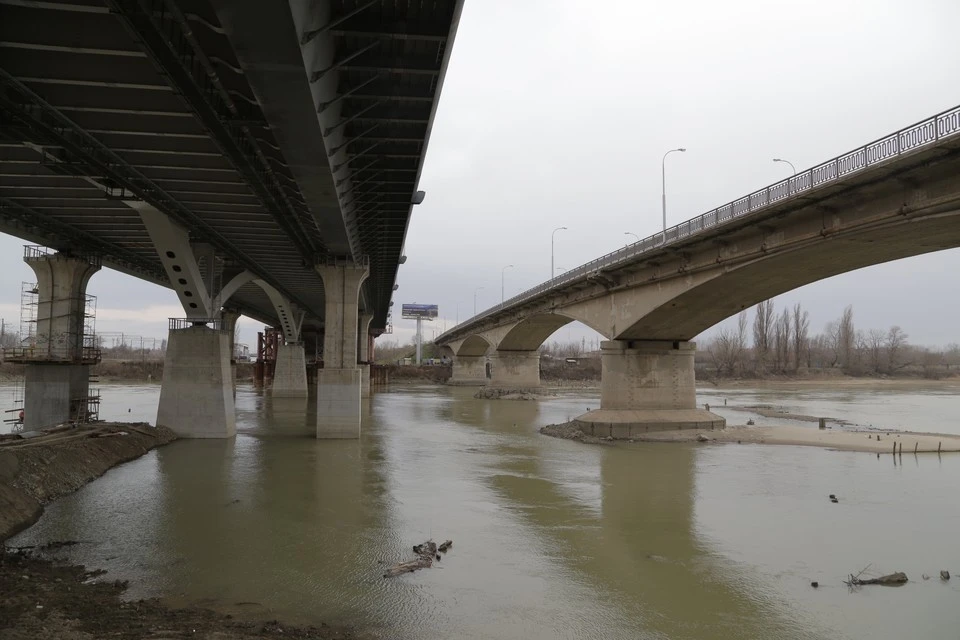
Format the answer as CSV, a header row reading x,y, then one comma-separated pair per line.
x,y
777,343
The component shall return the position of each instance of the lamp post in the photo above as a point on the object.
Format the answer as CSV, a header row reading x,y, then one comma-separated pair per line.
x,y
458,312
502,276
663,190
793,168
630,233
475,300
552,235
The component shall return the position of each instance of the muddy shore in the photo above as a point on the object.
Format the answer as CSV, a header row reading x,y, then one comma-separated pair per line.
x,y
38,470
43,597
871,441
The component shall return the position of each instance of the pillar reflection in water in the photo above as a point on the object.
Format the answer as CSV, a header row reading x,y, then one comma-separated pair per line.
x,y
632,539
303,506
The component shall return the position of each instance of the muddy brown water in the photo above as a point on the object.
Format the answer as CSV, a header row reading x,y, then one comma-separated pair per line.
x,y
552,539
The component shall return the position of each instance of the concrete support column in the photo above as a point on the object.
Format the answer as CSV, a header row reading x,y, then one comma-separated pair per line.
x,y
470,371
363,352
339,382
515,370
647,385
57,371
196,398
290,374
54,394
228,318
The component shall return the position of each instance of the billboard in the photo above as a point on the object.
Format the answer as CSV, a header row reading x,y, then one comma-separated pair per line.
x,y
425,311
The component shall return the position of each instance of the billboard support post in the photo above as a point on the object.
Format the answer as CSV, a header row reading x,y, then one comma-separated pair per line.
x,y
420,312
419,340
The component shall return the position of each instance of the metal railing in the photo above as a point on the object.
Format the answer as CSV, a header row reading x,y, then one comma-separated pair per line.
x,y
52,354
178,324
922,134
37,252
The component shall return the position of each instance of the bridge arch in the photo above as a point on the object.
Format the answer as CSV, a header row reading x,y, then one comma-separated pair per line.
x,y
475,345
530,333
726,292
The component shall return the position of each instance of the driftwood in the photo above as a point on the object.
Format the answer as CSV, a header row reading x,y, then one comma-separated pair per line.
x,y
426,553
892,579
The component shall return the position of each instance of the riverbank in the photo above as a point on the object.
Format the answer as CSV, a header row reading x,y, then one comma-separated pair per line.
x,y
870,441
37,470
45,598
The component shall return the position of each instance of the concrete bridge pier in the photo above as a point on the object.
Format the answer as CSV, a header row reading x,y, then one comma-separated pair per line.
x,y
364,352
469,371
339,382
196,396
646,385
57,364
229,319
290,372
515,370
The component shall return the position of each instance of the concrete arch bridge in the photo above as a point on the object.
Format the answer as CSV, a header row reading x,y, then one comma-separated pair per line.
x,y
893,198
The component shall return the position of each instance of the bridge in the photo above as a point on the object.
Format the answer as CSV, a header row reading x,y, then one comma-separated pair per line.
x,y
258,158
892,198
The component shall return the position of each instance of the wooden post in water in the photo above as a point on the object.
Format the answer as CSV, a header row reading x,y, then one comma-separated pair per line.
x,y
939,444
894,447
823,423
915,445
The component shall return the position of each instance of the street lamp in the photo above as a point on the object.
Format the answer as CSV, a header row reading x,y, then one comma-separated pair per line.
x,y
551,248
787,162
502,275
475,300
663,190
630,233
458,312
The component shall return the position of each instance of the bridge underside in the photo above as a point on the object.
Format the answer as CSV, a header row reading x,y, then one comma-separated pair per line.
x,y
238,152
279,133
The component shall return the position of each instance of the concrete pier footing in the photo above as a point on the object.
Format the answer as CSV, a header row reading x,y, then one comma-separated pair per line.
x,y
290,374
196,397
469,371
54,393
338,403
646,385
515,370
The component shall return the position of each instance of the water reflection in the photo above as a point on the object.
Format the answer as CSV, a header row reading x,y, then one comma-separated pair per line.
x,y
552,538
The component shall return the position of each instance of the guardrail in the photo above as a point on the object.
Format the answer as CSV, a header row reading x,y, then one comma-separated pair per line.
x,y
178,324
37,252
42,353
925,133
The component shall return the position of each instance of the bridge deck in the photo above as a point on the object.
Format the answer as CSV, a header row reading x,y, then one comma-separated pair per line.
x,y
877,160
154,100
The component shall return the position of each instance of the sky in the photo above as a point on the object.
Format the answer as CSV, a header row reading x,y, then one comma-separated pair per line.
x,y
558,112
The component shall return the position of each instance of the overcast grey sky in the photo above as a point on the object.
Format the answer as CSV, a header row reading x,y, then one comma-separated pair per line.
x,y
557,113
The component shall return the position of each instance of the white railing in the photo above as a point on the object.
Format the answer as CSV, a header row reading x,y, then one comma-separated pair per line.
x,y
922,134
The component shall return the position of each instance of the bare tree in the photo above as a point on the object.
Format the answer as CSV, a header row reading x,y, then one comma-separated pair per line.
x,y
741,340
762,334
875,340
781,342
846,337
896,341
801,326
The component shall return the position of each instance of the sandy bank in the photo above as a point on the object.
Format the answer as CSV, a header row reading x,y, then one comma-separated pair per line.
x,y
35,471
843,440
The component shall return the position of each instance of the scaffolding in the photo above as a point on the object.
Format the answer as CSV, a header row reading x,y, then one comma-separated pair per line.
x,y
80,347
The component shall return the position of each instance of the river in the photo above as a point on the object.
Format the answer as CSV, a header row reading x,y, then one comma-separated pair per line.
x,y
552,538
